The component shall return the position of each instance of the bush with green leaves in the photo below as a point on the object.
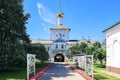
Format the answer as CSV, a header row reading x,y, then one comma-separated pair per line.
x,y
40,51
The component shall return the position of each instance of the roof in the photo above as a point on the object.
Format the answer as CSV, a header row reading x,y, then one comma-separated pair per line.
x,y
59,40
60,27
71,43
85,41
111,26
45,42
82,54
73,40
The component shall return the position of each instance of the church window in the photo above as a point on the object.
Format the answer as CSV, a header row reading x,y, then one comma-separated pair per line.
x,y
65,46
63,35
56,45
62,46
56,35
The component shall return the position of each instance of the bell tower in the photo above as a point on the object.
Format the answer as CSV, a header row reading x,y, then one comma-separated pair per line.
x,y
59,30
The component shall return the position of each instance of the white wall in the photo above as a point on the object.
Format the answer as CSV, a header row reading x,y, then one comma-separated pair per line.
x,y
62,32
113,49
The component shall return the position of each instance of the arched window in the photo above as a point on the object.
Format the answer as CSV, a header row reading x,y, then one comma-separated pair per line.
x,y
115,48
56,35
56,45
62,46
63,35
65,46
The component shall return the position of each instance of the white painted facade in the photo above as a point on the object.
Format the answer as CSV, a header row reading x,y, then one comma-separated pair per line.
x,y
113,46
64,31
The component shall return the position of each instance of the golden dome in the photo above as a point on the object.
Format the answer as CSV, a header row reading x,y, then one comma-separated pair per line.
x,y
60,15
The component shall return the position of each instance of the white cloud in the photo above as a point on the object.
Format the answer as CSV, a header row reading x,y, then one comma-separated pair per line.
x,y
46,29
46,15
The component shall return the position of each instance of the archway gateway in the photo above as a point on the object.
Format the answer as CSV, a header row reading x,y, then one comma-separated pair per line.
x,y
59,58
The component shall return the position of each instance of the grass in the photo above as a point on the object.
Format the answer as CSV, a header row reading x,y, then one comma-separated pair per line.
x,y
99,75
103,76
20,74
71,63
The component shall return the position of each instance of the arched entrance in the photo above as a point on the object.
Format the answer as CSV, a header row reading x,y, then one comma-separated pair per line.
x,y
59,58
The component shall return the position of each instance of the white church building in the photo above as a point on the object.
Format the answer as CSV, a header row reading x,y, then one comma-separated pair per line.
x,y
113,48
57,45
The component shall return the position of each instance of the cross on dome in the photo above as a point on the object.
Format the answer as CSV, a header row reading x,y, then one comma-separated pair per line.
x,y
60,15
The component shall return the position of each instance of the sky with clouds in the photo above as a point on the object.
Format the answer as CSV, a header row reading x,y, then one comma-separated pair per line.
x,y
45,14
84,17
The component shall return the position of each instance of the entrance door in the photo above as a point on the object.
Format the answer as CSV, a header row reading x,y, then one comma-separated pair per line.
x,y
59,58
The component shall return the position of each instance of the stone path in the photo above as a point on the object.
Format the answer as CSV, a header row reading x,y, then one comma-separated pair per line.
x,y
60,71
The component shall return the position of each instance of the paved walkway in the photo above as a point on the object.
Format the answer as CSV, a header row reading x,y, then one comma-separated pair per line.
x,y
60,71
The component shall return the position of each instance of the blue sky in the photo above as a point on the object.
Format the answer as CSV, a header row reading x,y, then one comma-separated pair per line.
x,y
84,17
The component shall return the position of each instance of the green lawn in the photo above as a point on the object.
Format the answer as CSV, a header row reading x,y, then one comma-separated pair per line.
x,y
20,74
102,76
99,75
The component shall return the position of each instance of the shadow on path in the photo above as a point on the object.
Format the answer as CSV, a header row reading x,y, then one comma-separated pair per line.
x,y
57,71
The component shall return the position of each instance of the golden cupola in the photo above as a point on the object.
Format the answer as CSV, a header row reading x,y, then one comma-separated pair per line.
x,y
60,15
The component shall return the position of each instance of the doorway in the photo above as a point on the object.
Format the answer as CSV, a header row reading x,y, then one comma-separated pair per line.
x,y
59,58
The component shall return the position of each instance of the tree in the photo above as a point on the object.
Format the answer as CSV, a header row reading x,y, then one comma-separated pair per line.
x,y
78,48
101,55
104,53
97,44
40,51
83,47
74,49
13,36
97,47
90,50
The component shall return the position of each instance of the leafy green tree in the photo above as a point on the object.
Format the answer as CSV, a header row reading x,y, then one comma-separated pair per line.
x,y
97,44
74,49
13,36
78,48
90,50
83,47
40,51
95,54
97,47
102,55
